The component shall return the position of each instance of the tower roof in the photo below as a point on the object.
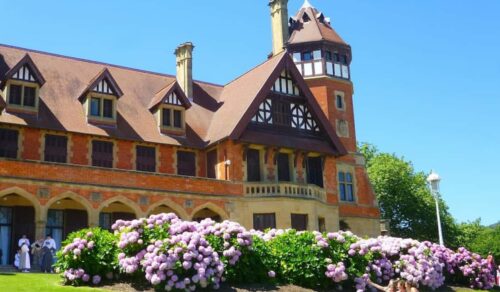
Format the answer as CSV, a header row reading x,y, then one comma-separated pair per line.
x,y
311,25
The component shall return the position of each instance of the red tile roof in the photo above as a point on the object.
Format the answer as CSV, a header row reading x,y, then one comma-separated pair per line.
x,y
216,112
313,30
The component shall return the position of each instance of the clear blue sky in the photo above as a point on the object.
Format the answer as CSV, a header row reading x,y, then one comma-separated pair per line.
x,y
426,73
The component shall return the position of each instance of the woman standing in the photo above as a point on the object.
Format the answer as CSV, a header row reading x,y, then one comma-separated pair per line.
x,y
24,258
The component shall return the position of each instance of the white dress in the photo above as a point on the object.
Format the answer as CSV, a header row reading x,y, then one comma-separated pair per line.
x,y
24,258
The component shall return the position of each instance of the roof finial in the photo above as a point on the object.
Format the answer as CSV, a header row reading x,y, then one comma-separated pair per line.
x,y
306,4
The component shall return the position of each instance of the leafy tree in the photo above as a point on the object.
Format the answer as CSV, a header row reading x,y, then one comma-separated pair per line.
x,y
405,199
480,239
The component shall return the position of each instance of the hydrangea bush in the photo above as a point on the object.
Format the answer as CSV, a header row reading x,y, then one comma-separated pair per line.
x,y
177,255
87,256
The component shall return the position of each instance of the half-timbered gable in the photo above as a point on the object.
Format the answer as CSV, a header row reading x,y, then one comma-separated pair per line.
x,y
21,86
287,112
169,106
100,97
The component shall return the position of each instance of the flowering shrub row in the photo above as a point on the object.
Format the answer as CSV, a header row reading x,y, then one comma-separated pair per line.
x,y
172,254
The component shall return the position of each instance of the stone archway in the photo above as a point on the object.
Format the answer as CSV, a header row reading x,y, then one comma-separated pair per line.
x,y
168,206
117,208
66,213
209,210
19,211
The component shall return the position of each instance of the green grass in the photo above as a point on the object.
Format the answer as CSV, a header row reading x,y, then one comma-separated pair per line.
x,y
31,282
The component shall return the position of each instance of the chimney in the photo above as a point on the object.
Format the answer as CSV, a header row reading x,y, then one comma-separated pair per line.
x,y
184,65
279,22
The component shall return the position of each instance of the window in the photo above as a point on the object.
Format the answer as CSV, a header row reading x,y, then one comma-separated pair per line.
x,y
22,95
307,56
101,107
186,163
285,84
107,108
283,167
8,143
328,56
105,220
212,163
264,221
253,165
102,153
264,114
342,128
339,101
56,148
281,113
315,171
321,224
166,117
145,158
299,222
172,117
346,186
177,119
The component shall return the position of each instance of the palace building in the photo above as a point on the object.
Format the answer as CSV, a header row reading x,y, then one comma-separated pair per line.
x,y
85,143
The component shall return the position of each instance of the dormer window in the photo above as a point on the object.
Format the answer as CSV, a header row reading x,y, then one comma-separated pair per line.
x,y
172,113
100,99
169,106
21,86
102,107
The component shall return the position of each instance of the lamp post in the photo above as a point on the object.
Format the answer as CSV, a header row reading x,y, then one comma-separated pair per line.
x,y
433,179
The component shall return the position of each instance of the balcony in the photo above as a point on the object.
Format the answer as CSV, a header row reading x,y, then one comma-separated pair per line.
x,y
284,189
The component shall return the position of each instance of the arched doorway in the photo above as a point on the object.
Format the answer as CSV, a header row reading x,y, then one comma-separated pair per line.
x,y
163,209
17,218
64,216
207,213
115,211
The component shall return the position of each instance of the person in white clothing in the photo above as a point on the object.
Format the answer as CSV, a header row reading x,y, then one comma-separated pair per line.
x,y
50,243
24,258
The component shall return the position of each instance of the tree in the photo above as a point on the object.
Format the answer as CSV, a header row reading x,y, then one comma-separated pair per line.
x,y
404,198
480,239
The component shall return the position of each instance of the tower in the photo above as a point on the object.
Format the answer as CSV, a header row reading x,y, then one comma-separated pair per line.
x,y
324,59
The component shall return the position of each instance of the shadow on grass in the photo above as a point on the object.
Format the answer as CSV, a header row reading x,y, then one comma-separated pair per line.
x,y
7,274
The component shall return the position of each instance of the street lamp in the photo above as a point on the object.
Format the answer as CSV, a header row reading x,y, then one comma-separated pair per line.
x,y
433,179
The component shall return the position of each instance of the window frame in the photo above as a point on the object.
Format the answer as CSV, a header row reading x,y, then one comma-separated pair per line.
x,y
255,215
101,97
214,166
345,183
340,94
136,158
66,154
113,149
21,106
18,132
290,167
259,161
195,162
295,216
172,109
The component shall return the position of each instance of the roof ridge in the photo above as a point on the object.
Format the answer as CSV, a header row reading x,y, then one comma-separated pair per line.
x,y
102,63
253,68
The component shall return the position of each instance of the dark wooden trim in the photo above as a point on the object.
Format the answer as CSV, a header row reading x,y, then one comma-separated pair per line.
x,y
286,62
103,74
180,94
26,60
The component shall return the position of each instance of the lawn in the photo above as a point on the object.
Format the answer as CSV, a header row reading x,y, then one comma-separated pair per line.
x,y
52,282
31,282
